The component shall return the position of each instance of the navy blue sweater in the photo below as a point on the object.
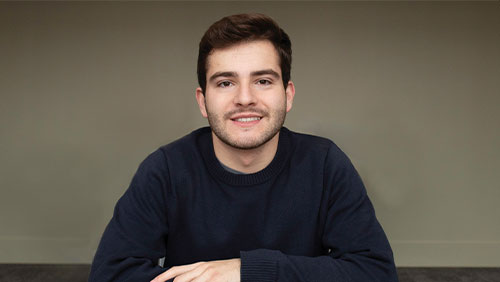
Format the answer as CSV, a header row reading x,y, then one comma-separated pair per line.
x,y
305,217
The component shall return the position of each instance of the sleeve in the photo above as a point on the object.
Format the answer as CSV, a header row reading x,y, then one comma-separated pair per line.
x,y
358,247
135,237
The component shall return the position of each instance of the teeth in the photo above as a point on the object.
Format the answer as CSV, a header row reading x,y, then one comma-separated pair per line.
x,y
247,119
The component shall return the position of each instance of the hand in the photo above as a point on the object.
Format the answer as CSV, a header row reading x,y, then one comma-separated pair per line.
x,y
210,271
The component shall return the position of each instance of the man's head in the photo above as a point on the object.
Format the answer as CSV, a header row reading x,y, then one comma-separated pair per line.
x,y
235,29
243,91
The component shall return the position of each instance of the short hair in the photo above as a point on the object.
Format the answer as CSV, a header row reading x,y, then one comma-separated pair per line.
x,y
234,29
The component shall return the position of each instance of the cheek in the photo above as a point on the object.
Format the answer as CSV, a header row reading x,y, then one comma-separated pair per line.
x,y
215,106
277,102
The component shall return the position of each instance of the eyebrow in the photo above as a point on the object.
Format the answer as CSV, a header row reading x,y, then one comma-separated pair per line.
x,y
223,74
234,74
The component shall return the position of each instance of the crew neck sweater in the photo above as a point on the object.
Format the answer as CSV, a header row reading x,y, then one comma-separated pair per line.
x,y
305,217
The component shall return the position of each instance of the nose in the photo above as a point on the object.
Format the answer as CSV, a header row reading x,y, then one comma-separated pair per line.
x,y
245,95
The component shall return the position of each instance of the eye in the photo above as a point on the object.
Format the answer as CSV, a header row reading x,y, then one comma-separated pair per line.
x,y
263,82
224,84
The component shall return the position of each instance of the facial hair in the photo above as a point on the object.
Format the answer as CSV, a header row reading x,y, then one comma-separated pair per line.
x,y
217,123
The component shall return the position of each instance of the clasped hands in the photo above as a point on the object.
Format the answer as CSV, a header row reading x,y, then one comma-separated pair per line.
x,y
205,271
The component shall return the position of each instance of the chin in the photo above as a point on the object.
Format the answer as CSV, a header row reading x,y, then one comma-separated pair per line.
x,y
249,143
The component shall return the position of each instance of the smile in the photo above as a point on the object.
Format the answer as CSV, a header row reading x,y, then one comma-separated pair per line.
x,y
247,119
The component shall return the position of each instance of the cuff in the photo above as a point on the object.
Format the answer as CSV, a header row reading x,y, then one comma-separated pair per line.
x,y
259,265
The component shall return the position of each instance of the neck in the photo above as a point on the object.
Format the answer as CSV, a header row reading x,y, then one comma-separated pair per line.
x,y
246,161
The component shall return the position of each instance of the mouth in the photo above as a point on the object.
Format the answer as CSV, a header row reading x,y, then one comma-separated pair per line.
x,y
246,120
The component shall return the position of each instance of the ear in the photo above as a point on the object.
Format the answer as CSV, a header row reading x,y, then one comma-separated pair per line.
x,y
290,93
200,98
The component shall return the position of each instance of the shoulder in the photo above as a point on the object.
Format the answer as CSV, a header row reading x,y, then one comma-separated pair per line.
x,y
316,145
339,174
185,146
186,142
180,148
178,154
168,159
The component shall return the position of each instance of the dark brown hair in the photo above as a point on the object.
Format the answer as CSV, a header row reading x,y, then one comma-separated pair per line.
x,y
239,28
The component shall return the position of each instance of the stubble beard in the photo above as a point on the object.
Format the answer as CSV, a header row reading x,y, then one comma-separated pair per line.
x,y
217,124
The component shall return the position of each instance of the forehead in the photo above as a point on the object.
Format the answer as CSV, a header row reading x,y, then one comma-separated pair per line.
x,y
244,58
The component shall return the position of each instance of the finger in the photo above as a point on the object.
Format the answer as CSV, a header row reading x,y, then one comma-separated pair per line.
x,y
175,271
192,274
208,274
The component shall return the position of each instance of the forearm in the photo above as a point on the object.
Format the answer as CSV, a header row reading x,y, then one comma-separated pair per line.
x,y
128,269
134,239
121,258
271,265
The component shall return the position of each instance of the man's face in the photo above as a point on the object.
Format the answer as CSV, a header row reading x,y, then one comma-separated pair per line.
x,y
245,101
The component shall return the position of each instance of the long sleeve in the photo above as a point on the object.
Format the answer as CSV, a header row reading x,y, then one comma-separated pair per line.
x,y
358,248
135,237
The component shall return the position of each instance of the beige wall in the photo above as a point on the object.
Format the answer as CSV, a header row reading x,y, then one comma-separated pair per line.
x,y
409,90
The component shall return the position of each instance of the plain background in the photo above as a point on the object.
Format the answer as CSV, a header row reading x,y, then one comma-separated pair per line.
x,y
409,90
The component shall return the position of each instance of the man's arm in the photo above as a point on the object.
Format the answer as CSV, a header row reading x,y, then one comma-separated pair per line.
x,y
134,239
358,247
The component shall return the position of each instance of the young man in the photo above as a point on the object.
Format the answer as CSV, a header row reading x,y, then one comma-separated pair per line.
x,y
245,199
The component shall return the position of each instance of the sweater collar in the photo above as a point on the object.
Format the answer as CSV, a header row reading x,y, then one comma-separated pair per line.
x,y
215,168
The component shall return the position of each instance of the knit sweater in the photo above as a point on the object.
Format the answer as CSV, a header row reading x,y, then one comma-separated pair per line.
x,y
305,217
